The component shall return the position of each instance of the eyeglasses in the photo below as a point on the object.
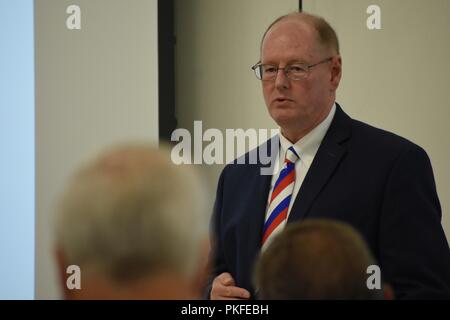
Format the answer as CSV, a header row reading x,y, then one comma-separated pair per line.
x,y
295,71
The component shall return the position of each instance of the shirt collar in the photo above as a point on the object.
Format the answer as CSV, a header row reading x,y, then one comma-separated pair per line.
x,y
307,146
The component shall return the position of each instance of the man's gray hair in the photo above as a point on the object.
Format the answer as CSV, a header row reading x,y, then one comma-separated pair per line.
x,y
326,34
132,212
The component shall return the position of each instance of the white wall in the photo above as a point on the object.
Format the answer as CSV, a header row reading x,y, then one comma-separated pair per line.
x,y
397,78
217,43
94,87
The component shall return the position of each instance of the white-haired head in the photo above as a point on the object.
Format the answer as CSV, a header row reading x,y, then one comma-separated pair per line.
x,y
131,213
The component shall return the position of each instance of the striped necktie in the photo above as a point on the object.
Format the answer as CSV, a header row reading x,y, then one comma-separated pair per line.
x,y
280,198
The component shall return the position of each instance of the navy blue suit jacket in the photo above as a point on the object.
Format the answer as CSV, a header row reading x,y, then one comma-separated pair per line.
x,y
379,183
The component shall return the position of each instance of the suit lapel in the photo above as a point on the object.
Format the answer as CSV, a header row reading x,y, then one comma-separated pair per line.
x,y
330,153
261,186
252,224
257,211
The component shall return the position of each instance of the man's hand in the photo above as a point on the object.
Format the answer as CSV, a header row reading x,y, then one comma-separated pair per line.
x,y
223,288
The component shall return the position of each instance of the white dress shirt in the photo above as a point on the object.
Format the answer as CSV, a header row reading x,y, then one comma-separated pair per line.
x,y
306,148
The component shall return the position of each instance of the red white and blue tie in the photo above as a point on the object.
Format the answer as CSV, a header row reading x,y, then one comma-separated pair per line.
x,y
280,198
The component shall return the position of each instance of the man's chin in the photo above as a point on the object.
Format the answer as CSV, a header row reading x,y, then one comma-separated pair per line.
x,y
285,119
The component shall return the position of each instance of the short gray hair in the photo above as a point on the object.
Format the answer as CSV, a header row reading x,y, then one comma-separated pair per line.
x,y
132,212
327,36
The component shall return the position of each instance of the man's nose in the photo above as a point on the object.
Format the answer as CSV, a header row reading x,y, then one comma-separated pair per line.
x,y
282,81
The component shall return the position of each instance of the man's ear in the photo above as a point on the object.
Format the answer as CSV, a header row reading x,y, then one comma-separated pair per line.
x,y
336,72
62,266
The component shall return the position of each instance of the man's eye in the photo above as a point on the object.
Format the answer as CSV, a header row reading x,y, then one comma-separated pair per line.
x,y
296,69
270,69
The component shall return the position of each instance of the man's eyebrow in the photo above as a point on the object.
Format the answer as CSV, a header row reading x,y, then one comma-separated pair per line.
x,y
297,61
292,61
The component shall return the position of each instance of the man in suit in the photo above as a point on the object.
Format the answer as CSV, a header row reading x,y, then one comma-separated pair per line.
x,y
318,259
331,167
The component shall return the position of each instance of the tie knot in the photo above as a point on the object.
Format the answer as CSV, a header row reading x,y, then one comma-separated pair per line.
x,y
291,155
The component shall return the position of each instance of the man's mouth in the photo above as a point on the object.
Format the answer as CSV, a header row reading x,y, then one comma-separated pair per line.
x,y
282,99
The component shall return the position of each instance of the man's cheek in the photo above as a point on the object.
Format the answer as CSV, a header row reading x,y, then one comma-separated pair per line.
x,y
267,95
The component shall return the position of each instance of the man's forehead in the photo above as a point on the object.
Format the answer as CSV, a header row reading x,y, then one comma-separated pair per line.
x,y
290,38
292,25
291,30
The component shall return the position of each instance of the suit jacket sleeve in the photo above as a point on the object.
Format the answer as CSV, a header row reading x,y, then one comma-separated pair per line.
x,y
414,253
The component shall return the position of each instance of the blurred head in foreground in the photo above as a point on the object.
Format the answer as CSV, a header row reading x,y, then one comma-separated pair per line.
x,y
317,259
134,223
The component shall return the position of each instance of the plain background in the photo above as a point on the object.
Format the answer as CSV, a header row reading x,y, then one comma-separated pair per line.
x,y
95,87
17,150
